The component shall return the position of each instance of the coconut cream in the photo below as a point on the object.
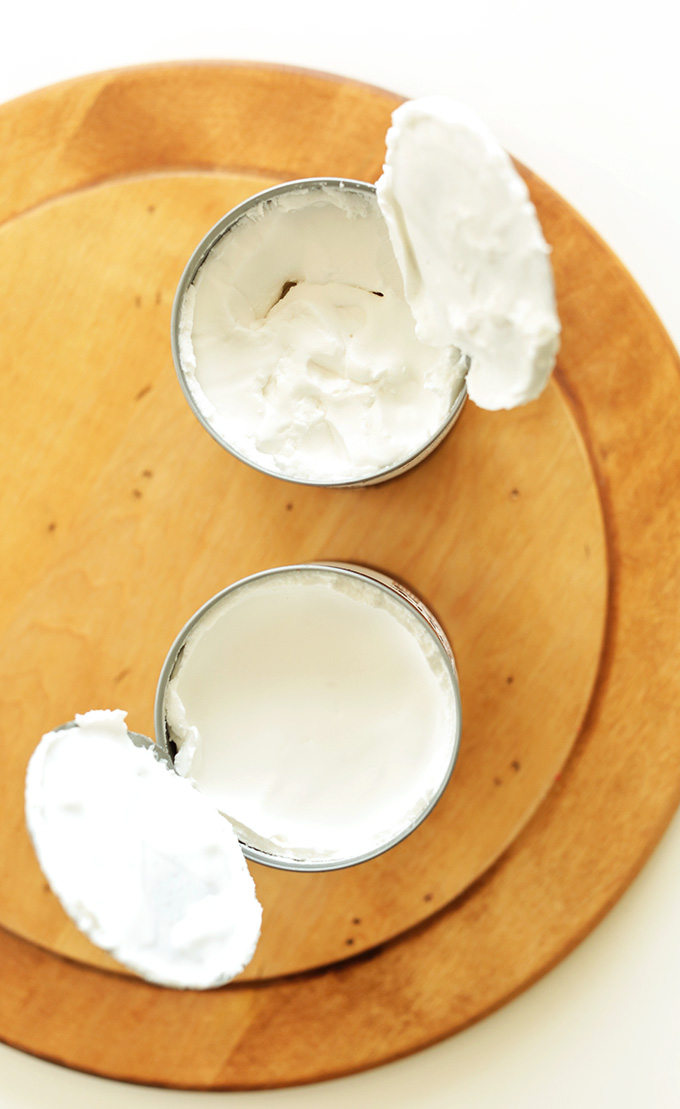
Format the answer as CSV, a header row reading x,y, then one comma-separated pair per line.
x,y
143,864
317,709
296,344
469,245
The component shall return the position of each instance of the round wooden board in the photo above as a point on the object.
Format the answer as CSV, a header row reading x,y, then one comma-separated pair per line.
x,y
502,532
117,473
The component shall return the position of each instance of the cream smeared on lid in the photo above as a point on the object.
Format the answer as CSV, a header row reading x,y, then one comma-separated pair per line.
x,y
475,264
143,863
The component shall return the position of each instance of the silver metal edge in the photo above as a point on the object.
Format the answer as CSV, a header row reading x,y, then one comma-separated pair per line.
x,y
428,621
188,276
161,753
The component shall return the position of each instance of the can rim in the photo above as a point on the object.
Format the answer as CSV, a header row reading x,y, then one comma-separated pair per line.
x,y
199,256
433,629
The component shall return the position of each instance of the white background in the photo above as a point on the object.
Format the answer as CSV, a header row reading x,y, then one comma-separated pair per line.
x,y
587,94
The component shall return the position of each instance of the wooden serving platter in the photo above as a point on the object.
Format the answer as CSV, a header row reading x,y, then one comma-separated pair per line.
x,y
545,540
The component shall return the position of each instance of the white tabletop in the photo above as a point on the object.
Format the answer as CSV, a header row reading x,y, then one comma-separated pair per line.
x,y
587,94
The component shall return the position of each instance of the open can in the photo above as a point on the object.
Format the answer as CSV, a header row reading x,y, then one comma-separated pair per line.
x,y
221,418
329,699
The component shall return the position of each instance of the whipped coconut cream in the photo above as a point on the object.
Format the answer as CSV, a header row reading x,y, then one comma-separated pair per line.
x,y
316,710
143,864
298,348
475,265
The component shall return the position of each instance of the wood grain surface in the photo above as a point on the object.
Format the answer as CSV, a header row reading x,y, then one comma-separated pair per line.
x,y
544,539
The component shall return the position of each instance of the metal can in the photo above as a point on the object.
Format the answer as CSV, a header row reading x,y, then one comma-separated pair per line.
x,y
404,756
204,411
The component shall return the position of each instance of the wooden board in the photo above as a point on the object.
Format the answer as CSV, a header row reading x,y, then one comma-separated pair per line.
x,y
531,534
87,283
